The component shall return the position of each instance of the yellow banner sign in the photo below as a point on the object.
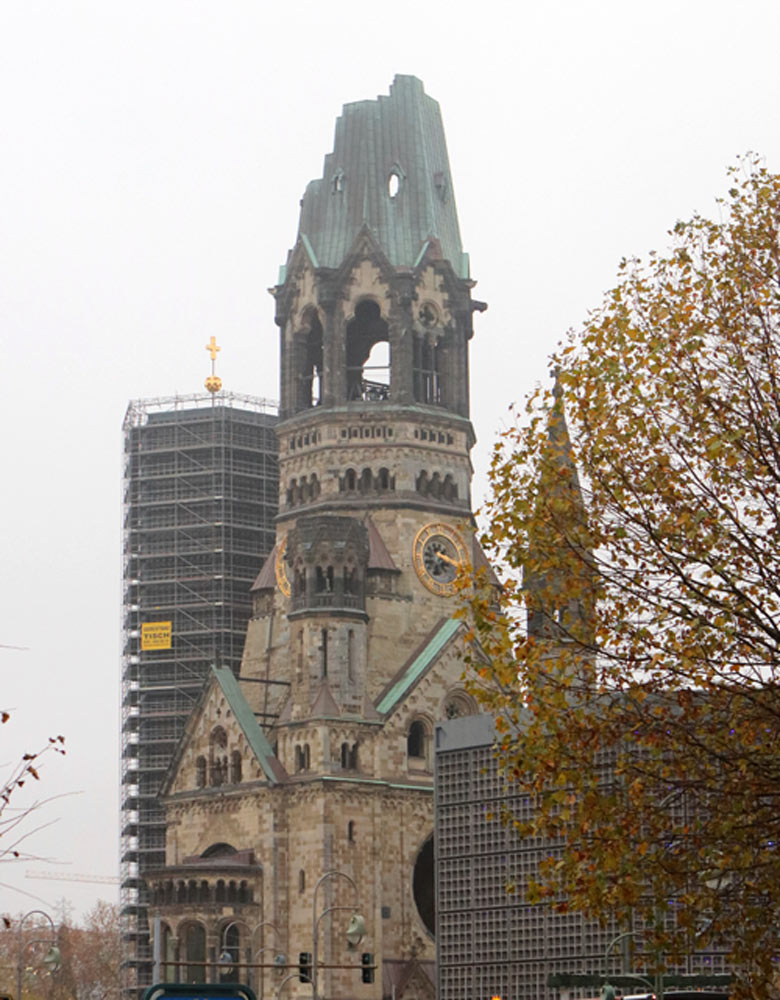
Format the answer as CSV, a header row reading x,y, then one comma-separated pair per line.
x,y
156,635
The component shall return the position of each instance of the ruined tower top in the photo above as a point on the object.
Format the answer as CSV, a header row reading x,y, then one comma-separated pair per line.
x,y
388,171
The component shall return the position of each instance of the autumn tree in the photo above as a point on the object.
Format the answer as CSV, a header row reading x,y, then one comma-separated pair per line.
x,y
15,827
90,956
635,647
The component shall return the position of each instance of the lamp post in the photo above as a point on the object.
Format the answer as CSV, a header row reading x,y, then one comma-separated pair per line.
x,y
226,958
52,959
259,952
608,991
354,935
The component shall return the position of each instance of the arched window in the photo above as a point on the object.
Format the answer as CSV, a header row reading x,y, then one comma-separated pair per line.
x,y
457,704
449,488
350,643
383,479
416,741
366,481
200,772
235,767
350,480
324,653
229,953
217,757
353,757
345,755
301,880
351,831
306,757
193,949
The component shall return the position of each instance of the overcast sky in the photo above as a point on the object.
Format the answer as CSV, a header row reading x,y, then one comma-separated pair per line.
x,y
152,158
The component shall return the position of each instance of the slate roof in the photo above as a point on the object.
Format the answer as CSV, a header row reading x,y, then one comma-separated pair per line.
x,y
266,578
401,133
378,556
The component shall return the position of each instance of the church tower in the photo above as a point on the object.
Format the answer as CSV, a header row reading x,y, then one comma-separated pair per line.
x,y
317,758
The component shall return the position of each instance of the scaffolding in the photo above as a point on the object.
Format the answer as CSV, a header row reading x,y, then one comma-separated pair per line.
x,y
201,486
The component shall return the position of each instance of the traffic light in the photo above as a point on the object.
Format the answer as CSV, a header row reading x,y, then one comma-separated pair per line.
x,y
304,966
367,963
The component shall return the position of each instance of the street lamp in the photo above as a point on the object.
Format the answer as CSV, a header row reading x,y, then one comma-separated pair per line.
x,y
355,932
227,960
52,959
608,991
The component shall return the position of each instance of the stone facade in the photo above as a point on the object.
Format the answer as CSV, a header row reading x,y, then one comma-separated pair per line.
x,y
318,757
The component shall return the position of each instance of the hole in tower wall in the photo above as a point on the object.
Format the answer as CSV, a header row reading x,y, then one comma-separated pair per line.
x,y
423,886
368,361
393,184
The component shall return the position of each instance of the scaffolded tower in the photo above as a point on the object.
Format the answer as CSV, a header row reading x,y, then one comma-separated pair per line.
x,y
200,496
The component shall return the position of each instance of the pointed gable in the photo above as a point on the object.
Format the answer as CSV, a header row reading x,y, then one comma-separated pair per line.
x,y
241,722
418,665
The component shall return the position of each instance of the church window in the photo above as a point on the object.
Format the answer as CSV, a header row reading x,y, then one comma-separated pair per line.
x,y
383,479
324,652
301,880
193,938
200,772
349,480
457,704
235,767
337,182
449,488
353,757
217,757
306,757
366,481
350,645
418,743
345,755
351,831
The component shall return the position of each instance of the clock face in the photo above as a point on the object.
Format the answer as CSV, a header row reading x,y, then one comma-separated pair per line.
x,y
438,554
280,568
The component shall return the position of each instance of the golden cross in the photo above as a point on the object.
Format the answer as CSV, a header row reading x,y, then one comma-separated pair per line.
x,y
212,348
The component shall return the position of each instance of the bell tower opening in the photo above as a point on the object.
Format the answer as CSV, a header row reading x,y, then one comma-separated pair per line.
x,y
309,356
368,354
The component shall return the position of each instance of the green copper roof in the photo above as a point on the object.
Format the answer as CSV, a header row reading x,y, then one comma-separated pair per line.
x,y
245,717
398,135
419,665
